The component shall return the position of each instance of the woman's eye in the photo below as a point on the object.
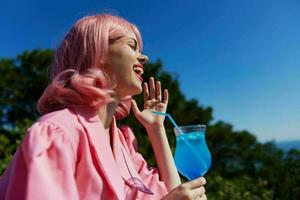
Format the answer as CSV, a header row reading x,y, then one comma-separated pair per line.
x,y
133,46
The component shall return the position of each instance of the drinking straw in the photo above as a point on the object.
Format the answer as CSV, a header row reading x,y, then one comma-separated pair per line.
x,y
170,118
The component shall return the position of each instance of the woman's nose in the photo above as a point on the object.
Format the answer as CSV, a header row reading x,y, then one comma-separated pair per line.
x,y
143,59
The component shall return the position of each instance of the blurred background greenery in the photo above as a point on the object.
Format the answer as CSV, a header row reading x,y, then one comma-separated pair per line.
x,y
242,168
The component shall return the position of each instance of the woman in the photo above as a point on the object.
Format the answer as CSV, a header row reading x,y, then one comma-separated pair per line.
x,y
75,150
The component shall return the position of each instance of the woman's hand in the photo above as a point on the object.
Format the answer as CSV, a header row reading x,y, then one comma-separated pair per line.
x,y
188,191
153,100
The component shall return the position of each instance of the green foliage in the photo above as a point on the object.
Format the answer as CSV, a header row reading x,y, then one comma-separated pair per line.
x,y
242,187
242,167
22,82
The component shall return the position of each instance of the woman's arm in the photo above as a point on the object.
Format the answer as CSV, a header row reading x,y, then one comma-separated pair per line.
x,y
164,157
154,124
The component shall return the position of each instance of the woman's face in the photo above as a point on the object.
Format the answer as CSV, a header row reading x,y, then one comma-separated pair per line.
x,y
125,62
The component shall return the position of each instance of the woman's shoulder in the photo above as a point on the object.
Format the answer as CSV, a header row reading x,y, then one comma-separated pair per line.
x,y
59,117
48,134
58,124
65,119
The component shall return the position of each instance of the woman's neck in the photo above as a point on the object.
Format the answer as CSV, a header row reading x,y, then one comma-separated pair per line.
x,y
106,114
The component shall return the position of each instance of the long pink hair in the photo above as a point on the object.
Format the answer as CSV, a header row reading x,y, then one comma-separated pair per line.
x,y
77,76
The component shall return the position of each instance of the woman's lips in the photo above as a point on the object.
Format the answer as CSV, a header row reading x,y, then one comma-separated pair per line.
x,y
139,77
138,69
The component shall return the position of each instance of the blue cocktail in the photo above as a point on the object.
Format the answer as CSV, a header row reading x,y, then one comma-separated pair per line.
x,y
192,156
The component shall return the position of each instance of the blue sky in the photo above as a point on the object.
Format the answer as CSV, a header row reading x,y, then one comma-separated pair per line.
x,y
242,57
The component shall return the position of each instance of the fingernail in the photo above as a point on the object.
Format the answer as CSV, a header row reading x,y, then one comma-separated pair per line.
x,y
203,180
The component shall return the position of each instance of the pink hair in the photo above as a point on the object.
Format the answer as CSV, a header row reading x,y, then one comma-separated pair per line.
x,y
77,78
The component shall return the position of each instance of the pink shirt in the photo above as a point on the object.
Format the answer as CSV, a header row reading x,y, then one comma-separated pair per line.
x,y
66,156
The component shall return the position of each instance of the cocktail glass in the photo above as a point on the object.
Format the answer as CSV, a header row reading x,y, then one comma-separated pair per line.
x,y
192,156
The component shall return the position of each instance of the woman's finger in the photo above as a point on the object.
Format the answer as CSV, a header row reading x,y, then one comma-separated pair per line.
x,y
198,192
134,107
203,197
197,183
158,90
146,91
152,88
166,96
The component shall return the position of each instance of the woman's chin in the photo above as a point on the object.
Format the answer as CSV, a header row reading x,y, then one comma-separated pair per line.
x,y
135,90
138,90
